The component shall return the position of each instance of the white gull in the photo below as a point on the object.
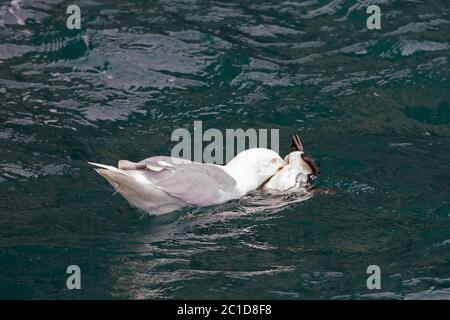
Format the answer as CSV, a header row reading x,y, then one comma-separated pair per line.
x,y
163,184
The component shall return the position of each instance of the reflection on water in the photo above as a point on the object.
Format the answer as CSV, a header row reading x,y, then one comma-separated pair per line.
x,y
371,106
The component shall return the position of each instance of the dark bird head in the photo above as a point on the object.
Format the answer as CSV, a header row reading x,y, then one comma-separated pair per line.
x,y
306,159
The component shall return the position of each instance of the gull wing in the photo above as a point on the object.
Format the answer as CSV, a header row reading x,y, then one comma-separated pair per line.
x,y
158,163
198,184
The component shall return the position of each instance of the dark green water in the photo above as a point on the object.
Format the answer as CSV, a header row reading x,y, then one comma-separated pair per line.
x,y
372,106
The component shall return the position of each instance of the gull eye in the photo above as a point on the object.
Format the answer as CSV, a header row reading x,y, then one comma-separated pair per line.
x,y
274,160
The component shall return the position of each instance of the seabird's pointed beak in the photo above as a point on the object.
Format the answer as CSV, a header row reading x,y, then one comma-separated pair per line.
x,y
296,143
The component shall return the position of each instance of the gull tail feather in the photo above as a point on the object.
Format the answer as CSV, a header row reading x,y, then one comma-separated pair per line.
x,y
104,166
118,178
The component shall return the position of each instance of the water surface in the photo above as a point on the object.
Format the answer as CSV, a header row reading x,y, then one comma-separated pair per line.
x,y
372,106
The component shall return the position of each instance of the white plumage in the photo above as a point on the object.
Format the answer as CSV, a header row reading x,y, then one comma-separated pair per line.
x,y
161,184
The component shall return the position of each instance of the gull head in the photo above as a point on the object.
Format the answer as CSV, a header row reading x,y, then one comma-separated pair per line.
x,y
253,167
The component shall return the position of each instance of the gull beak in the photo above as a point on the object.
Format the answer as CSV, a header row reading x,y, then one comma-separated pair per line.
x,y
282,164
